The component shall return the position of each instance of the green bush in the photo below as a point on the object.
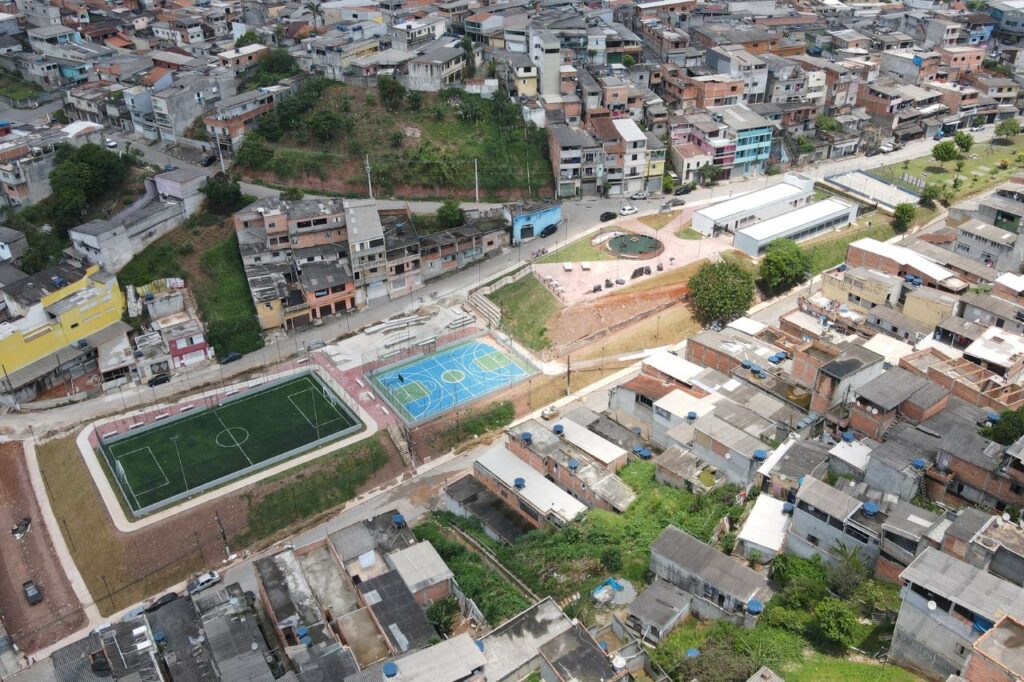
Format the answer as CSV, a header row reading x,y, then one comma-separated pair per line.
x,y
478,422
442,613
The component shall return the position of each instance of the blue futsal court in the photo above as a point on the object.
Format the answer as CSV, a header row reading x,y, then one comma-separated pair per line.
x,y
431,384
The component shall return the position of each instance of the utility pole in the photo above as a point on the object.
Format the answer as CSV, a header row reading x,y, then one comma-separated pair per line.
x,y
369,180
476,180
223,535
529,189
220,152
568,370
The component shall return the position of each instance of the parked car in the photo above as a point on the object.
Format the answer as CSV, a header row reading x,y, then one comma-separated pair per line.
x,y
161,602
639,196
685,189
230,357
201,581
158,379
110,143
886,147
209,161
976,129
677,202
627,210
33,593
315,344
606,216
549,412
132,614
549,230
939,135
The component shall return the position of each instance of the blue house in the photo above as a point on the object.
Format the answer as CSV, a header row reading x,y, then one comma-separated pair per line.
x,y
528,220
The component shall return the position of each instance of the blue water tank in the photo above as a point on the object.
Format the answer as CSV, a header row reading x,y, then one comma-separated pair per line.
x,y
754,606
992,417
919,463
841,267
398,520
520,483
787,508
573,464
637,448
306,641
159,636
908,278
691,415
754,369
745,364
762,374
527,437
760,455
870,508
558,429
479,644
302,631
390,669
603,644
645,453
692,653
848,436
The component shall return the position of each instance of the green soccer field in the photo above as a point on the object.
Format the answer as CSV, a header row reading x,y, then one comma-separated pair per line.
x,y
211,444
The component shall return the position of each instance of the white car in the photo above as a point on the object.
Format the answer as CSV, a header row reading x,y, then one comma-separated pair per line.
x,y
110,143
201,581
975,129
639,196
627,210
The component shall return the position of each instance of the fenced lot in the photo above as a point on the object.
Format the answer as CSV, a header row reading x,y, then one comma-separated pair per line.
x,y
428,385
194,451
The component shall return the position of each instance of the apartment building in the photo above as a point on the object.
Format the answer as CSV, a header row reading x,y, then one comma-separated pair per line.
x,y
733,60
577,161
232,117
27,155
100,102
333,54
633,160
178,105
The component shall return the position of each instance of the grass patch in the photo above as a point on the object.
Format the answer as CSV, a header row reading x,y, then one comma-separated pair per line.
x,y
578,556
581,250
526,306
669,326
663,279
477,422
987,165
225,302
16,88
497,598
741,259
157,261
689,233
314,488
830,251
660,220
820,667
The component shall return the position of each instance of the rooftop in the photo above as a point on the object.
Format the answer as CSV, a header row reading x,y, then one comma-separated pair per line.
x,y
542,494
827,499
660,603
420,566
752,202
766,525
395,609
728,575
973,588
517,642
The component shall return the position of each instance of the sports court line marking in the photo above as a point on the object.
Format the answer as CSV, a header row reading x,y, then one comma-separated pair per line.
x,y
298,409
163,473
216,413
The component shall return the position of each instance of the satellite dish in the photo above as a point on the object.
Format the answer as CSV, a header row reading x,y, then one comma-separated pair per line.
x,y
1006,517
932,605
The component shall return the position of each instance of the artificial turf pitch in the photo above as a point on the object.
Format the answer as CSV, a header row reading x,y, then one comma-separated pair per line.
x,y
208,444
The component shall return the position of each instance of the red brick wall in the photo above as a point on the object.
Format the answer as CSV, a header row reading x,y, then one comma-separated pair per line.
x,y
705,356
509,498
918,414
805,368
429,595
982,669
889,571
871,425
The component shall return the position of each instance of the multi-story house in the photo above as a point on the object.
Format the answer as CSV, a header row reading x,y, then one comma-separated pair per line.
x,y
63,310
841,83
367,250
914,66
718,90
333,54
39,13
1003,90
736,61
74,56
412,33
1009,17
576,160
959,60
628,165
100,102
752,137
178,105
438,69
27,155
232,117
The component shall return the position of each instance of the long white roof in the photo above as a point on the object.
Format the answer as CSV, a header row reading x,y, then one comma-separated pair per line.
x,y
748,203
601,449
544,495
674,366
905,256
766,525
796,219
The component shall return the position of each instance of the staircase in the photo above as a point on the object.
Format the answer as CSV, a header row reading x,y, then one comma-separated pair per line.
x,y
397,434
486,308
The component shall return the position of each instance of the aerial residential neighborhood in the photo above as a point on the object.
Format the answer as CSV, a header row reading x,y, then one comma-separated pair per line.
x,y
491,340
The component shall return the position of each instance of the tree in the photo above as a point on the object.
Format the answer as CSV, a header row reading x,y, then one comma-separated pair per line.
x,y
316,10
836,622
848,571
964,141
930,194
804,145
253,154
902,216
442,613
1008,128
628,61
292,194
709,173
945,151
828,124
449,215
721,292
223,194
978,121
1007,429
325,125
470,52
960,163
392,93
248,38
414,101
784,265
667,184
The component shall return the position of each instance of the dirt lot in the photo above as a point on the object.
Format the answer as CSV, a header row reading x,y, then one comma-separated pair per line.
x,y
31,558
121,569
582,319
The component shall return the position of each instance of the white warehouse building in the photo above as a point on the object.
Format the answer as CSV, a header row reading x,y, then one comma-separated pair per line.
x,y
803,223
795,190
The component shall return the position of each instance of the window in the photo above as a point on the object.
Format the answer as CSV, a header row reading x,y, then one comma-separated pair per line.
x,y
813,540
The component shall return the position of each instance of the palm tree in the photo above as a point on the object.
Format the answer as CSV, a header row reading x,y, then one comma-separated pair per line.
x,y
315,9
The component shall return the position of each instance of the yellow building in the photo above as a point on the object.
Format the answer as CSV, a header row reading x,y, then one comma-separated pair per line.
x,y
58,308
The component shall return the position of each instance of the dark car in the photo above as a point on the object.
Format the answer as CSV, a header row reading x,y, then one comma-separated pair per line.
x,y
874,152
209,161
549,230
158,379
230,357
685,189
677,202
162,601
606,216
33,593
